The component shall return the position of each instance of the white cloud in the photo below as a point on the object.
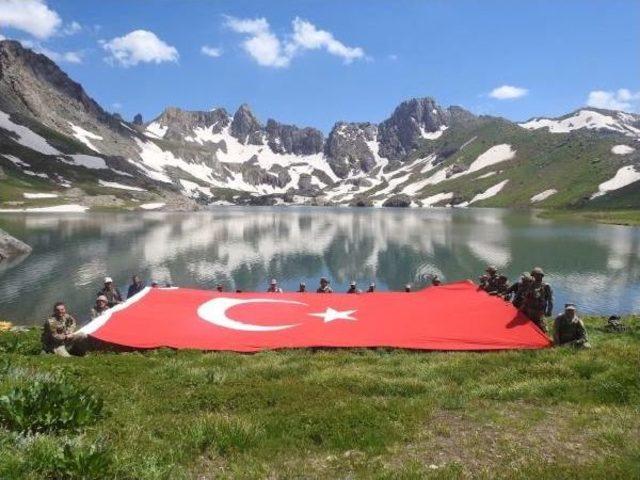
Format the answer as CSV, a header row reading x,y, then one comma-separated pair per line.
x,y
623,99
307,36
58,57
31,16
508,92
72,28
211,51
139,46
269,51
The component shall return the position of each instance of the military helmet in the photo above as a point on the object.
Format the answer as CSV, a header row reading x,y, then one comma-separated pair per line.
x,y
537,271
491,269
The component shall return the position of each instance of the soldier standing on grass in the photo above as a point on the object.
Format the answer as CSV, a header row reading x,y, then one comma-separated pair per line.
x,y
538,300
59,335
568,329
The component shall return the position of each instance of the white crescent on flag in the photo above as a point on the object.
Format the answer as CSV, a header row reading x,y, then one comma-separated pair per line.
x,y
215,311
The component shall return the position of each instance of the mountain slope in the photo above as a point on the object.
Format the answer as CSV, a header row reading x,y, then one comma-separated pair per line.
x,y
58,146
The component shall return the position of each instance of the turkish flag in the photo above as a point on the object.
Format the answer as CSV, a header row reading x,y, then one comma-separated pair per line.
x,y
456,316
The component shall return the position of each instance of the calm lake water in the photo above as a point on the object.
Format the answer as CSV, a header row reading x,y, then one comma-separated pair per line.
x,y
596,266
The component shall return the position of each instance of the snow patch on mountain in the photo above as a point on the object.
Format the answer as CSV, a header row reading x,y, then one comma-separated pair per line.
x,y
539,197
39,195
488,193
26,137
437,198
588,119
88,161
155,130
120,186
432,135
496,154
622,149
152,206
194,190
72,208
486,175
85,136
623,177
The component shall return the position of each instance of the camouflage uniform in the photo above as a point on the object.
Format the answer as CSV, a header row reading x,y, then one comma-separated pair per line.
x,y
570,332
54,333
113,295
538,303
518,290
96,312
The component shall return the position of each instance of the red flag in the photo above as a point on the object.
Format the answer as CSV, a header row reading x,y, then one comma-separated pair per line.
x,y
456,316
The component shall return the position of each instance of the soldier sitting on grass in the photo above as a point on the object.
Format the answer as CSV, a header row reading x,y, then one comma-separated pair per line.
x,y
59,335
568,329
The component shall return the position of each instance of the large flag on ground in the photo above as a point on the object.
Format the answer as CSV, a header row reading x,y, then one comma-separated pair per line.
x,y
456,316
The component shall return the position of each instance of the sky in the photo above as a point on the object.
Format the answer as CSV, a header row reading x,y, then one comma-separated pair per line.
x,y
313,63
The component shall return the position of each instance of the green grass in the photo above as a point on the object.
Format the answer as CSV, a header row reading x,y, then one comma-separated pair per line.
x,y
387,414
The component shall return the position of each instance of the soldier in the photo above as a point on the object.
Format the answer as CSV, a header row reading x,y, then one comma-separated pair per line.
x,y
435,281
353,288
136,286
516,292
372,288
324,286
482,282
273,287
568,329
100,307
538,299
219,288
614,324
500,286
407,288
302,288
110,291
491,282
59,334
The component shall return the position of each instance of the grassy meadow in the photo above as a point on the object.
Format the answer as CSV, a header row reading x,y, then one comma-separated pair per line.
x,y
384,414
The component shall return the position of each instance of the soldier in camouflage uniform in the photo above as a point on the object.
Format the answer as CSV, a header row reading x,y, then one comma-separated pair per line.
x,y
517,291
491,279
59,335
100,307
538,300
568,329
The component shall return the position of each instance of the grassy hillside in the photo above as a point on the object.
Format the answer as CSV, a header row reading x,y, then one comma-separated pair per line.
x,y
572,163
388,414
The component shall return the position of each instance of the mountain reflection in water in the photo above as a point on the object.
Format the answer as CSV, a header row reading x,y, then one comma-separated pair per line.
x,y
594,265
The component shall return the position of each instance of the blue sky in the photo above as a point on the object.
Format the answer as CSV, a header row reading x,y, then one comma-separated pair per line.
x,y
341,60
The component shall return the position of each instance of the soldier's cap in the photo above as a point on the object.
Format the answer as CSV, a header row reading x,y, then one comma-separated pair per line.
x,y
101,298
372,284
352,284
491,269
408,285
537,271
569,306
274,281
302,284
108,280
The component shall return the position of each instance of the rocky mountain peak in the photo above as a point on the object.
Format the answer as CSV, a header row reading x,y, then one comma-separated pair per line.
x,y
30,83
411,121
179,123
348,148
283,138
246,127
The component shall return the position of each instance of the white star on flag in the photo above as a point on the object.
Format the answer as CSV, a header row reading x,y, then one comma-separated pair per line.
x,y
329,315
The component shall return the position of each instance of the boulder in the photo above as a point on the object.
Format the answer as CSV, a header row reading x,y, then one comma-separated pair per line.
x,y
397,201
11,246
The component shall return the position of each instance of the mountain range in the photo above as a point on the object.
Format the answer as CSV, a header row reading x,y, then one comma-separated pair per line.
x,y
59,149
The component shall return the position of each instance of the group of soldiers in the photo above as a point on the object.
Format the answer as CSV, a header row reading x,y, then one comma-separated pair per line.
x,y
531,295
534,297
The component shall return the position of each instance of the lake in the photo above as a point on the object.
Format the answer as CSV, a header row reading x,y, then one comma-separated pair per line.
x,y
596,266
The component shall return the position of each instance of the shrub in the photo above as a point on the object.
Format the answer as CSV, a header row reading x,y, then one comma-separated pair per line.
x,y
49,405
23,343
92,461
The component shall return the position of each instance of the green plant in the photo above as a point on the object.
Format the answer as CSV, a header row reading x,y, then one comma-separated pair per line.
x,y
23,343
49,405
83,462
